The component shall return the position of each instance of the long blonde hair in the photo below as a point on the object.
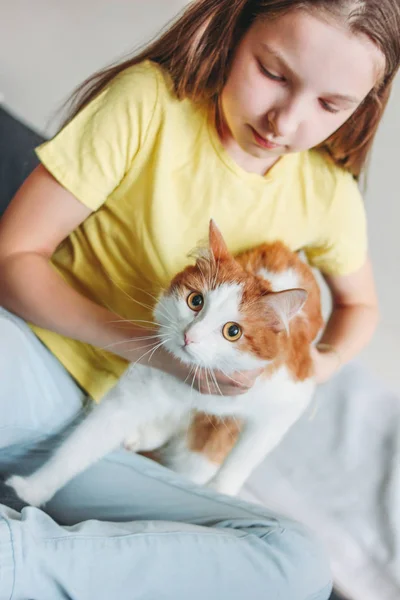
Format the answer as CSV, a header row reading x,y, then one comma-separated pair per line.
x,y
198,47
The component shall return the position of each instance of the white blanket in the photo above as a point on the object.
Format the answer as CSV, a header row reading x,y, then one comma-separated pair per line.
x,y
338,471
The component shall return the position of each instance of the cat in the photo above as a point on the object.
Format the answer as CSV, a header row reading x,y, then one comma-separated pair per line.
x,y
260,309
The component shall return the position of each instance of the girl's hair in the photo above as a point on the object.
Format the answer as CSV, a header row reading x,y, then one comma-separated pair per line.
x,y
197,51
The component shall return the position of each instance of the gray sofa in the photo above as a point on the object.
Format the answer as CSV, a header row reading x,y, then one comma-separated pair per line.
x,y
17,158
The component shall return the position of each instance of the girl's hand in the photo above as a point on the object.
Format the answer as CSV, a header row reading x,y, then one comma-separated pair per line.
x,y
326,363
202,380
234,384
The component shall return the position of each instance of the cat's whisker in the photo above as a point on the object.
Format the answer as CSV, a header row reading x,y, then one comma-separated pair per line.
x,y
191,397
227,428
161,307
154,347
222,419
155,298
228,376
145,338
207,371
148,346
162,343
122,320
166,314
190,372
146,306
134,321
242,373
123,324
211,422
126,283
191,400
193,370
121,289
194,377
159,290
238,425
207,382
212,373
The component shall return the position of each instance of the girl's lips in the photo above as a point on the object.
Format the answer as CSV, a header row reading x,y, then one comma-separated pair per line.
x,y
264,142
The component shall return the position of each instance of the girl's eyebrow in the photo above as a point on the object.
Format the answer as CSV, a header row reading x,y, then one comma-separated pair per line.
x,y
351,99
278,56
285,65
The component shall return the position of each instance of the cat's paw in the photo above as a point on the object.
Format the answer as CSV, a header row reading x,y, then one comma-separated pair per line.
x,y
224,486
132,444
29,492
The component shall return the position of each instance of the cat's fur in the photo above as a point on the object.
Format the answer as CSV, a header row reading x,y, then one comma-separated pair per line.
x,y
273,296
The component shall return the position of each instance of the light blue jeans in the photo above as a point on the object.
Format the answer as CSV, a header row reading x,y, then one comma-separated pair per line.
x,y
128,528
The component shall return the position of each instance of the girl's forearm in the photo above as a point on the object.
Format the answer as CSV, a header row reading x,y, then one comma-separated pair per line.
x,y
31,288
349,329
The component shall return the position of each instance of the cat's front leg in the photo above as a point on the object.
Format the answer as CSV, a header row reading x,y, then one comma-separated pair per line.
x,y
229,487
256,440
102,431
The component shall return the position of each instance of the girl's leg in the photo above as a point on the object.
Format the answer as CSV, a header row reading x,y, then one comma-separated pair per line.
x,y
256,558
37,396
155,535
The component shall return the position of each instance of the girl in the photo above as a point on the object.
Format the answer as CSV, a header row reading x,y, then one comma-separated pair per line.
x,y
260,114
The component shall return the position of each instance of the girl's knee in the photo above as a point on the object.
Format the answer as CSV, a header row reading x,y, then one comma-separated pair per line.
x,y
36,395
303,562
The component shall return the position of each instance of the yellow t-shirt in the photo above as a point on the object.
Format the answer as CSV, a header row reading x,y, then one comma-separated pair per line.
x,y
153,170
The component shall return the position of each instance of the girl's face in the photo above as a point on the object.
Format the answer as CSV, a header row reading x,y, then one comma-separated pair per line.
x,y
294,81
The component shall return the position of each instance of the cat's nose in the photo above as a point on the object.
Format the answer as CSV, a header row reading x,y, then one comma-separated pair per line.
x,y
187,339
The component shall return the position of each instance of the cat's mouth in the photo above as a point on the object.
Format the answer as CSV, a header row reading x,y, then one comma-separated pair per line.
x,y
187,354
186,351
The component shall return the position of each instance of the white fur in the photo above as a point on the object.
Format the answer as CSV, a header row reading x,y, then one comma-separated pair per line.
x,y
148,408
284,280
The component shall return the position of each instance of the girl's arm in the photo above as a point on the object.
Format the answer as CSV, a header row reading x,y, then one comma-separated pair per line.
x,y
42,214
352,323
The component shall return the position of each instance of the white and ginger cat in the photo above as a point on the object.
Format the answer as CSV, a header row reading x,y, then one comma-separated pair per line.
x,y
257,310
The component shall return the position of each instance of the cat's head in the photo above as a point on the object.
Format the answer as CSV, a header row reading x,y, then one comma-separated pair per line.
x,y
217,315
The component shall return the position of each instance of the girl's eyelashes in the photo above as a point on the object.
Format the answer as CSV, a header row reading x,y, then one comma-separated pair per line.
x,y
328,107
270,75
280,79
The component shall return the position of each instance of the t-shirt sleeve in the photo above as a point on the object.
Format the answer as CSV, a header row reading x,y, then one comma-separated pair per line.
x,y
91,155
340,247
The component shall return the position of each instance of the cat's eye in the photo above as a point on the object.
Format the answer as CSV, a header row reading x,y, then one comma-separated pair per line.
x,y
232,332
195,301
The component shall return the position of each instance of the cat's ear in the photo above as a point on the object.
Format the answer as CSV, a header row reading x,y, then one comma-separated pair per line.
x,y
217,243
283,306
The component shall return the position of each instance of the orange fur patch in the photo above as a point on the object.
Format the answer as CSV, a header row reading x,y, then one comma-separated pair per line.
x,y
213,436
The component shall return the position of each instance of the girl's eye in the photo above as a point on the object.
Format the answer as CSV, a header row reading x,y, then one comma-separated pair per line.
x,y
272,75
232,332
195,301
326,106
